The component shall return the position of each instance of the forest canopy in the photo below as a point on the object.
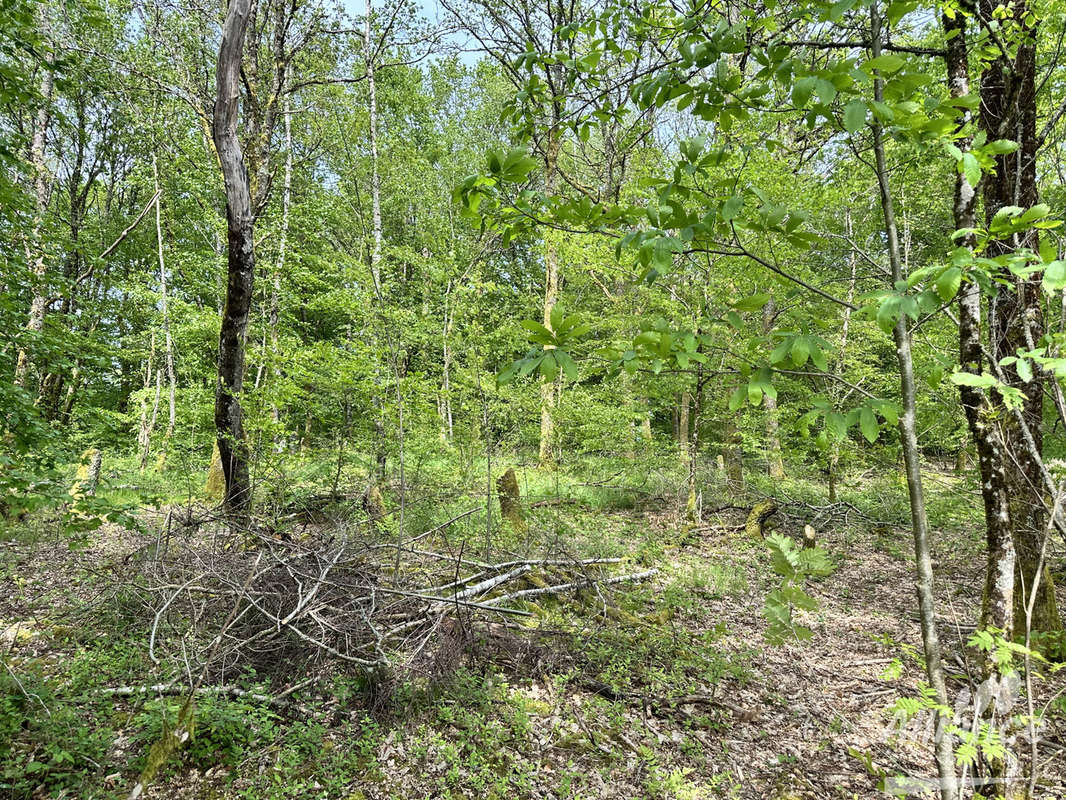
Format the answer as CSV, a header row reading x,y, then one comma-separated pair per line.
x,y
562,363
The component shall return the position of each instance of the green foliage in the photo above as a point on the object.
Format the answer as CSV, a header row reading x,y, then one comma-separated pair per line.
x,y
795,566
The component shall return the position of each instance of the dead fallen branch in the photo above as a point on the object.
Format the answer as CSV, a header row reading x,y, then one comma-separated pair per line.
x,y
334,600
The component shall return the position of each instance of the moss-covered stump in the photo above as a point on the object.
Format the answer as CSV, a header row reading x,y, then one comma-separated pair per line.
x,y
374,505
755,527
510,499
215,485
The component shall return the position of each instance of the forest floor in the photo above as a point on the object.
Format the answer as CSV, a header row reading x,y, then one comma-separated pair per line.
x,y
666,689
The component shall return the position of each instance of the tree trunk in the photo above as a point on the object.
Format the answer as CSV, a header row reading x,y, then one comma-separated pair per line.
x,y
997,602
279,269
833,465
945,758
551,295
733,456
1008,111
775,465
240,262
375,178
168,342
683,425
42,188
148,421
447,422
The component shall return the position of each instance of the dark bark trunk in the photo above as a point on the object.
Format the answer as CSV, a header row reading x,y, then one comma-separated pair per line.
x,y
240,262
1008,111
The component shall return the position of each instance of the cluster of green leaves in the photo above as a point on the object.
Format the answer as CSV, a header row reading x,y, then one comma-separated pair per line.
x,y
795,566
551,348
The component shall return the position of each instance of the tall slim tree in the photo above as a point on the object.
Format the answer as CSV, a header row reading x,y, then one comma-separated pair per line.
x,y
240,260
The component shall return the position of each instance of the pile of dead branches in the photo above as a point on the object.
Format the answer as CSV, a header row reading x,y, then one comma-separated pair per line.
x,y
331,600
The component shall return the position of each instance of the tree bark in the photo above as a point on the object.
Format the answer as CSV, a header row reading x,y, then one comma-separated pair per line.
x,y
775,465
375,178
1008,111
279,269
683,425
833,466
42,188
944,754
997,603
551,294
168,343
240,262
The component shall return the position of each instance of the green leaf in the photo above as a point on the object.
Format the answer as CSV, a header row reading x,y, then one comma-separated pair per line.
x,y
1024,369
970,168
753,303
538,330
889,62
732,207
801,91
567,363
947,285
854,116
1002,146
1054,276
549,367
736,400
888,312
556,316
800,351
868,424
780,352
982,381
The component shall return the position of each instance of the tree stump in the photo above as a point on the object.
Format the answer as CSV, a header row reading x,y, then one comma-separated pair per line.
x,y
760,513
374,506
215,486
510,499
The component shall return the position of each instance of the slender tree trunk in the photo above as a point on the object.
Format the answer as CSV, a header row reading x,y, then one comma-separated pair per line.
x,y
168,343
683,425
148,422
240,262
42,189
733,455
279,270
447,423
375,178
945,758
833,466
774,463
551,295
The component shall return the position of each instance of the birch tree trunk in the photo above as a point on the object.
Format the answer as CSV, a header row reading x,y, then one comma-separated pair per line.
x,y
944,754
997,603
279,269
168,343
240,262
375,178
683,425
42,188
551,295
